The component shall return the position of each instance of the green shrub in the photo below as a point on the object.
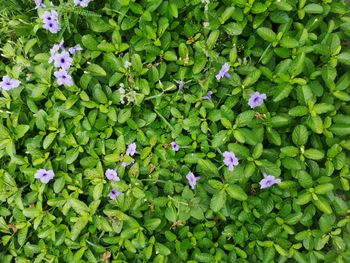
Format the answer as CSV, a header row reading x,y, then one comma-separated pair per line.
x,y
183,131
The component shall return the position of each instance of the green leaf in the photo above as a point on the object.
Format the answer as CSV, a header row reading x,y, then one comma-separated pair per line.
x,y
96,70
303,198
218,201
236,192
72,155
244,118
313,9
314,154
152,223
316,124
78,206
323,205
220,138
124,115
324,188
99,95
266,33
226,14
136,63
162,249
31,212
21,130
207,168
281,92
78,227
340,129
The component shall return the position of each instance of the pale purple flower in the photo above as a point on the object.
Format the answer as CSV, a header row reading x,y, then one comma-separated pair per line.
x,y
230,160
131,149
192,180
126,164
82,3
7,83
54,50
63,78
50,20
113,194
268,181
208,97
175,146
256,99
73,50
223,72
112,175
181,84
44,175
39,3
62,60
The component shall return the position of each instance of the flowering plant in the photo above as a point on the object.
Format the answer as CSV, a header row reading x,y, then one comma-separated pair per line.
x,y
174,131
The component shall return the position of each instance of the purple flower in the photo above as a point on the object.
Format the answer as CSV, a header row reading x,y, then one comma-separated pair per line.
x,y
256,99
44,175
73,50
126,164
175,147
192,180
82,3
208,97
230,160
268,181
223,72
51,22
7,83
181,84
39,3
55,48
131,149
62,60
63,78
113,194
112,175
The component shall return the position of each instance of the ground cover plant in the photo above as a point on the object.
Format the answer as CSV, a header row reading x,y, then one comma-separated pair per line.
x,y
175,131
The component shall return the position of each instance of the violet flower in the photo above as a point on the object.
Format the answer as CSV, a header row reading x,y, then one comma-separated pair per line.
x,y
256,99
39,3
82,3
131,149
181,84
208,97
113,194
126,164
175,147
112,175
51,22
54,50
62,60
73,50
192,180
223,72
44,175
230,160
268,181
7,83
63,78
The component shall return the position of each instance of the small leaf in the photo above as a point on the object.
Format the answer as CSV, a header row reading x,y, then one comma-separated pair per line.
x,y
236,192
266,34
218,201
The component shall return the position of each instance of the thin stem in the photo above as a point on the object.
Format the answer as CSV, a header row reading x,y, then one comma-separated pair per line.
x,y
164,120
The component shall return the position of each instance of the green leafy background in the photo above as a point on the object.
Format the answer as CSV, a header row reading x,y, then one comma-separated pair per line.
x,y
297,52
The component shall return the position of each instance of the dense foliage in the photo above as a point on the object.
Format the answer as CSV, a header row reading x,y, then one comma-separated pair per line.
x,y
175,131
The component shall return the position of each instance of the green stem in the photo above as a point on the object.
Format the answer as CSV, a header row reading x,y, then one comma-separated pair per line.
x,y
164,120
